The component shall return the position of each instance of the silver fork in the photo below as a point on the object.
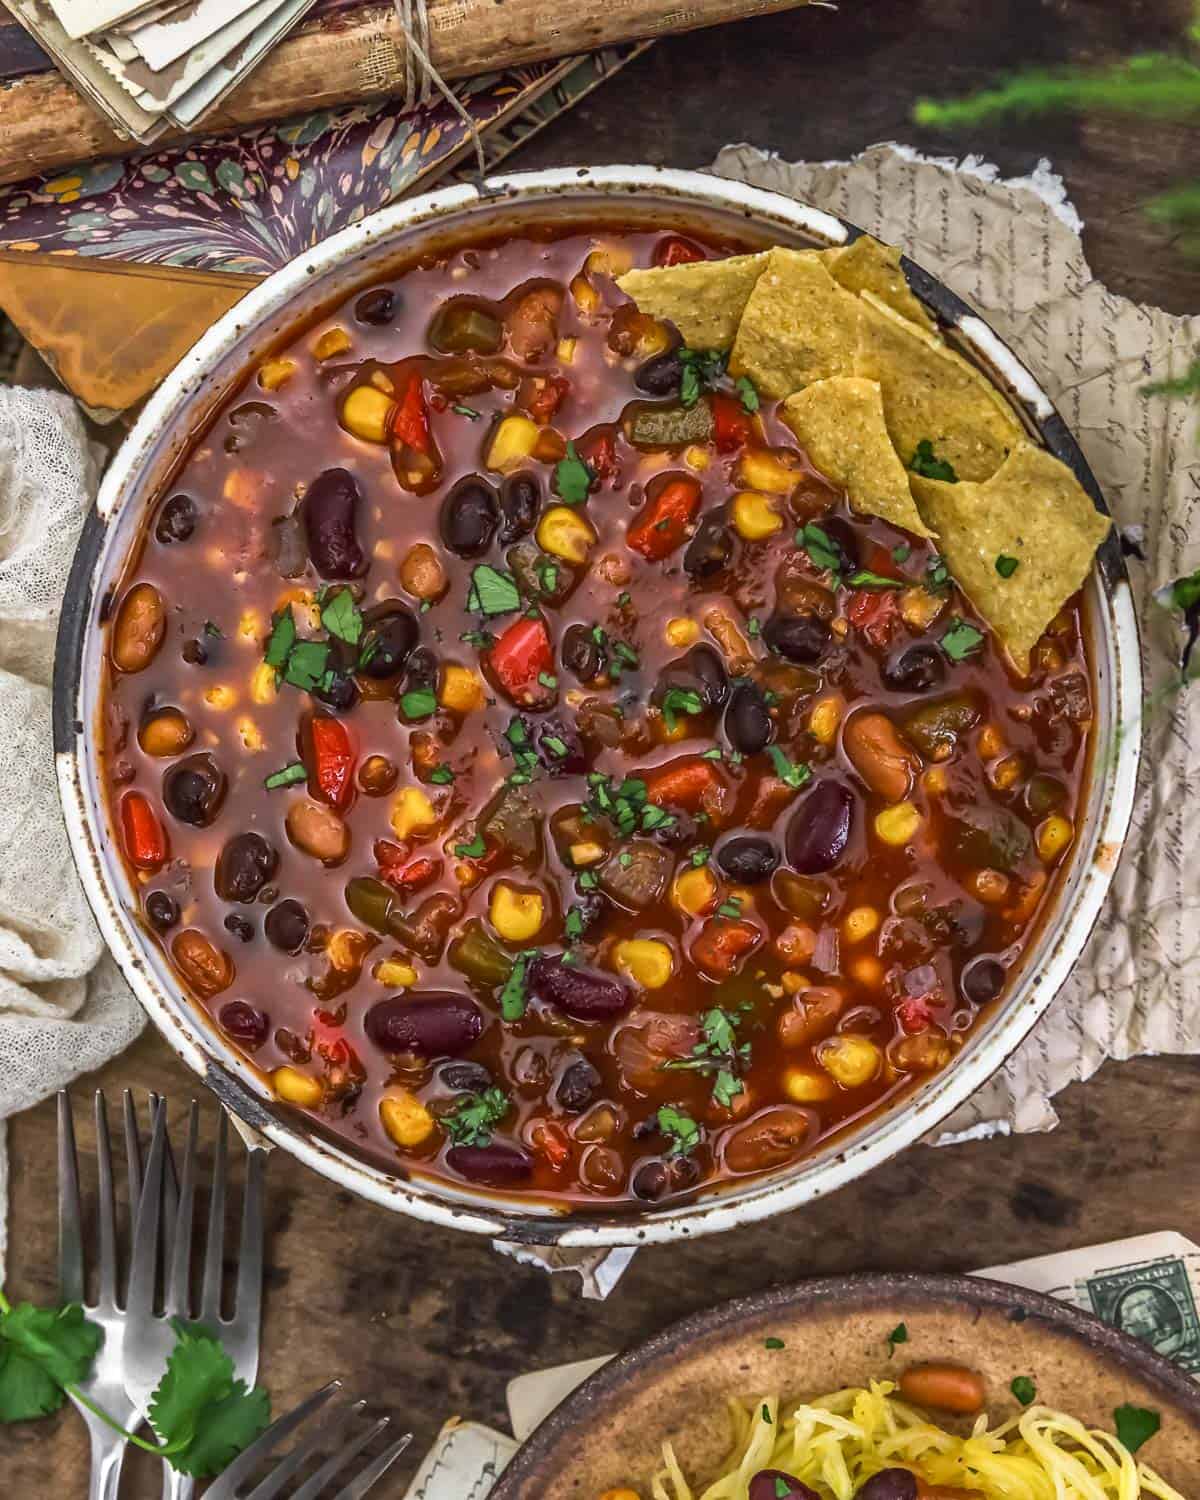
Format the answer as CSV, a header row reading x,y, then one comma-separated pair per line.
x,y
103,1385
330,1429
149,1336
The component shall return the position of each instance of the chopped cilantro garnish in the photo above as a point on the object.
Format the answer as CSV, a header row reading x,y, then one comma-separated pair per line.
x,y
492,592
744,386
731,908
307,664
573,925
1135,1425
726,1087
418,703
782,1494
624,859
926,463
774,1344
441,775
281,640
1007,566
466,411
678,700
716,753
718,1053
681,1130
624,598
823,551
547,680
702,368
572,478
766,1416
484,639
792,773
588,880
753,627
624,805
547,573
961,639
902,553
937,575
865,579
1024,1390
470,1122
342,618
287,776
513,996
626,654
476,849
699,857
213,630
898,1335
556,746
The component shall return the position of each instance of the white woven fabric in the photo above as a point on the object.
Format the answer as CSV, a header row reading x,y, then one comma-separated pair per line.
x,y
64,1008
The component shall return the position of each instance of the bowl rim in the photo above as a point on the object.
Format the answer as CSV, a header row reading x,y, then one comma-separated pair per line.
x,y
667,1349
235,1082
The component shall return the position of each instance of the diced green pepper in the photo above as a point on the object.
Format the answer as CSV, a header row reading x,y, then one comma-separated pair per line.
x,y
459,326
474,954
936,726
658,424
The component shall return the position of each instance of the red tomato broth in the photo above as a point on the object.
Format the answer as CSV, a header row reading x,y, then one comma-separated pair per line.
x,y
221,586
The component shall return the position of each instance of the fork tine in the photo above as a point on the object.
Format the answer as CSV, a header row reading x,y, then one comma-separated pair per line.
x,y
247,1308
374,1471
105,1208
70,1214
214,1247
133,1153
328,1430
336,1462
246,1462
144,1261
179,1275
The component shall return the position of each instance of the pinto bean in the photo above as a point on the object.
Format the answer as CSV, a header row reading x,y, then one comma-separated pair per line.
x,y
139,629
944,1387
768,1139
317,830
205,968
879,756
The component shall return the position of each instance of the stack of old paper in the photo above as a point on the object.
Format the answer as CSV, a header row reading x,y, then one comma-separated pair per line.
x,y
148,65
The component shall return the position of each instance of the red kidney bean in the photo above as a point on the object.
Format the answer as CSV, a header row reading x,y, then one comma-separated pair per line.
x,y
580,993
820,828
774,1484
771,1138
494,1165
245,1023
889,1484
434,1026
329,522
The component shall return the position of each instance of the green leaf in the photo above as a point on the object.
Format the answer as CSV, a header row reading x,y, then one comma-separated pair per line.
x,y
470,1124
679,700
492,592
281,640
774,1344
573,926
937,576
441,775
699,856
926,463
1187,384
572,478
793,773
902,553
466,411
306,665
476,849
513,996
418,703
1135,1425
823,552
342,618
43,1349
702,368
1007,566
287,776
744,386
865,579
227,1428
898,1335
961,640
731,909
200,1409
726,1087
766,1416
680,1129
1024,1390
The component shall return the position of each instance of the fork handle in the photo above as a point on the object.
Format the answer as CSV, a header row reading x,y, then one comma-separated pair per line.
x,y
176,1486
107,1456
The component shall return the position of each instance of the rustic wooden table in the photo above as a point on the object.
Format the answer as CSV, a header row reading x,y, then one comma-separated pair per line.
x,y
429,1323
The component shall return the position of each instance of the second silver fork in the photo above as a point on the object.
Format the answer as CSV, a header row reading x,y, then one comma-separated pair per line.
x,y
149,1334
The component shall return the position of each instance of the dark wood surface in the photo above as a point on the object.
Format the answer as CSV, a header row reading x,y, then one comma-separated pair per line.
x,y
427,1323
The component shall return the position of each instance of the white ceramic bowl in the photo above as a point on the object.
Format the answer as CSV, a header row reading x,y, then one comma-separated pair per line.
x,y
325,275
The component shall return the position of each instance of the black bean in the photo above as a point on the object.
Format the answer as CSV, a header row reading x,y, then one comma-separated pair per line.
x,y
820,828
286,926
982,980
422,669
195,653
558,745
176,521
582,654
748,858
240,927
494,1165
580,993
577,1087
245,1023
469,517
710,548
340,692
748,726
520,501
916,669
390,635
244,866
330,519
193,790
889,1484
651,1181
660,376
437,1025
162,910
705,663
465,1077
799,638
377,307
774,1484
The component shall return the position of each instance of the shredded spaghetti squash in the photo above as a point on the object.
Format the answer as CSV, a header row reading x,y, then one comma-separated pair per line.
x,y
836,1443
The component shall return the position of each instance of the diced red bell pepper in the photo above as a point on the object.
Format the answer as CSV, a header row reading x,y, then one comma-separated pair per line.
x,y
402,873
880,560
683,784
415,458
542,395
721,944
676,251
551,1142
522,660
914,1013
598,449
732,423
331,775
662,523
144,837
876,613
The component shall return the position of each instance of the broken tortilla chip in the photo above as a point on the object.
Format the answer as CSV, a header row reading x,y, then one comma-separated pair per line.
x,y
839,424
704,299
931,393
1019,544
868,265
798,326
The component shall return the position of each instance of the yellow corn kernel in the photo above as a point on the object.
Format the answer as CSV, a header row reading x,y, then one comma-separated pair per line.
x,y
332,341
760,469
587,298
221,697
512,443
919,608
262,684
249,626
859,924
396,974
466,873
249,734
586,854
241,488
898,825
754,518
867,971
564,533
644,960
1005,774
273,373
462,691
989,886
405,1118
824,719
412,812
383,382
681,631
516,915
807,1086
566,351
793,981
1053,836
296,1087
991,742
850,1059
367,414
609,260
665,734
620,1495
696,458
935,781
693,891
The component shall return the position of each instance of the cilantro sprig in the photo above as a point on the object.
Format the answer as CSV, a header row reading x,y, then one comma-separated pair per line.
x,y
677,700
1135,1425
702,369
573,479
470,1122
624,804
680,1129
926,463
719,1053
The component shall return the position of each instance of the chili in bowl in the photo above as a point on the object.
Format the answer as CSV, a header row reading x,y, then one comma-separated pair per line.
x,y
553,748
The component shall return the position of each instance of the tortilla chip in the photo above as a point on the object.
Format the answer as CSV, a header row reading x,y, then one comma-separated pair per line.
x,y
839,424
704,298
1032,509
798,326
870,266
931,392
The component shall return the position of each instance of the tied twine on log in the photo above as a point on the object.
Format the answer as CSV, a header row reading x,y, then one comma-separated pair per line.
x,y
421,78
